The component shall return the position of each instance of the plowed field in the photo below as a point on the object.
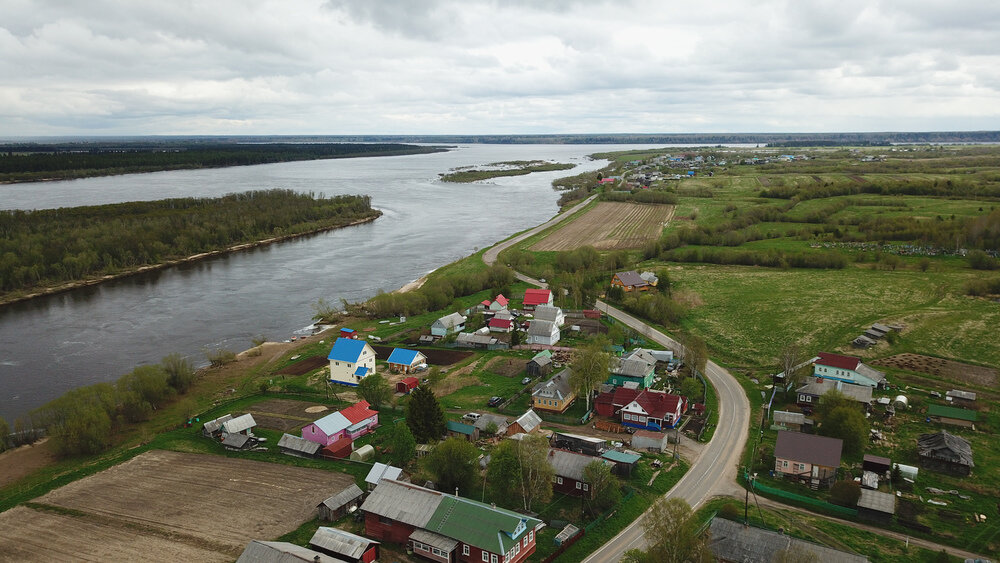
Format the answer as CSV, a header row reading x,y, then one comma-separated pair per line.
x,y
610,226
167,506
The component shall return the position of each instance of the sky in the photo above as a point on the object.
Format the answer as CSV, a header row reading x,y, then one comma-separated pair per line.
x,y
342,67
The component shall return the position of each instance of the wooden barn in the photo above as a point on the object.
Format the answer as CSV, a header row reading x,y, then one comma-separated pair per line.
x,y
342,503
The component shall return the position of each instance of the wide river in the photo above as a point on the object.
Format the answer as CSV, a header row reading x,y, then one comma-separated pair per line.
x,y
52,344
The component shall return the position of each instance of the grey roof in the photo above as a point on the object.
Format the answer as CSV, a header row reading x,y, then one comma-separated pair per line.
x,y
340,542
451,321
239,424
540,327
637,363
485,419
381,471
570,464
631,278
881,327
298,444
959,394
213,426
547,313
732,541
647,439
946,447
874,500
350,493
650,277
785,417
282,552
808,448
406,503
443,543
236,441
870,372
541,361
860,393
473,338
590,439
529,420
556,387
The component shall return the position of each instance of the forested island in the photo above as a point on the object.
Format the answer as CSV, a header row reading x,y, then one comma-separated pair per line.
x,y
31,162
499,169
54,249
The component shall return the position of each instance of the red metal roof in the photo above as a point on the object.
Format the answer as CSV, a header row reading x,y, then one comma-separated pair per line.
x,y
501,323
501,300
358,411
537,296
655,403
838,361
411,381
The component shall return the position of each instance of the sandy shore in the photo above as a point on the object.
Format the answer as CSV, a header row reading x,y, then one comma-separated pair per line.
x,y
415,284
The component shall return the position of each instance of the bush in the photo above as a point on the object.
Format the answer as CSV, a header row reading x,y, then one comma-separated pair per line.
x,y
220,357
845,493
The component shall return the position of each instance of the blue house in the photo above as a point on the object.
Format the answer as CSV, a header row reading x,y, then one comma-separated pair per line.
x,y
350,361
847,369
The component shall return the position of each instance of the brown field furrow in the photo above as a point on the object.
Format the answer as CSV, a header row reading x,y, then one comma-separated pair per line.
x,y
609,226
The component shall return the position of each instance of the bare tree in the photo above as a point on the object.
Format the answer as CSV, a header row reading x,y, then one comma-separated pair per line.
x,y
789,357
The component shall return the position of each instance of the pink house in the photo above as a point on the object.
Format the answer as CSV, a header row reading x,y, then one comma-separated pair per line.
x,y
353,422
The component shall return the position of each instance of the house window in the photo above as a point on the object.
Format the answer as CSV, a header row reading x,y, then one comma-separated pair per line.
x,y
337,363
525,540
531,535
802,467
558,480
465,549
586,487
784,463
579,485
493,558
517,548
486,557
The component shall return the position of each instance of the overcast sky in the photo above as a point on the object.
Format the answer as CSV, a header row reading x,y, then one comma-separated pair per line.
x,y
100,67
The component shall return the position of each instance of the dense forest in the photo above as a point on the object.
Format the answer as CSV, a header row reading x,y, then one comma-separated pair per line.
x,y
52,246
28,162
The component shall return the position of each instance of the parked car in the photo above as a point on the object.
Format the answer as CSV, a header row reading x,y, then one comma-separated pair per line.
x,y
526,381
494,401
472,416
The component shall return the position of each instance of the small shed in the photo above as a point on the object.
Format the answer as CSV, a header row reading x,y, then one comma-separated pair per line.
x,y
344,502
576,443
348,333
240,425
344,545
961,398
238,442
876,507
624,462
381,471
876,464
649,441
298,447
795,421
213,428
423,449
466,432
338,449
407,384
364,453
945,452
539,365
566,534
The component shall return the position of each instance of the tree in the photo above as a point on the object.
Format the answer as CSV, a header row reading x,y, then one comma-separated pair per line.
x,y
692,388
590,368
325,312
80,421
790,357
141,391
519,474
402,445
424,415
180,372
604,487
848,424
845,493
375,389
454,464
831,400
672,535
697,354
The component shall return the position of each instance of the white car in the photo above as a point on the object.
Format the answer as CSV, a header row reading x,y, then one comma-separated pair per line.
x,y
471,416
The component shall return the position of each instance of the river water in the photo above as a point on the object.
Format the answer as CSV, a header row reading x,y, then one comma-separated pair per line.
x,y
52,344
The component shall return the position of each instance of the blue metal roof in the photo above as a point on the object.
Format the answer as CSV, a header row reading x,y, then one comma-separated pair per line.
x,y
347,350
361,371
402,356
453,426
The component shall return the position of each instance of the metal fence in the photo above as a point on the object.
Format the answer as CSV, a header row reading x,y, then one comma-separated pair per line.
x,y
802,499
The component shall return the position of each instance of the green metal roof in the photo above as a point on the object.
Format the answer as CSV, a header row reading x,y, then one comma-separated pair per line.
x,y
953,412
543,354
620,457
460,428
479,524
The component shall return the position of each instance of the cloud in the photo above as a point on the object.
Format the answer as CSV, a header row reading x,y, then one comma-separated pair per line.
x,y
484,66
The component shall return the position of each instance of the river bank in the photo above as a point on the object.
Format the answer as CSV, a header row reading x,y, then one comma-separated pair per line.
x,y
11,299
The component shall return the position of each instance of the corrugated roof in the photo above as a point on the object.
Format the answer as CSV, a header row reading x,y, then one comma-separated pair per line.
x,y
556,387
500,323
358,412
472,338
350,493
213,426
332,423
236,441
381,471
547,313
485,419
451,321
837,361
953,412
282,552
461,428
959,394
945,446
529,420
809,448
874,500
785,417
571,464
404,502
537,296
631,278
347,350
403,356
621,457
298,444
860,393
480,525
340,542
443,543
540,327
732,541
239,424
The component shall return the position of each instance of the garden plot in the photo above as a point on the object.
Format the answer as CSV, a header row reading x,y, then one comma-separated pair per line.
x,y
610,226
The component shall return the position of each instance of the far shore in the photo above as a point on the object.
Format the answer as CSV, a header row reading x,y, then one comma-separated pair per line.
x,y
11,299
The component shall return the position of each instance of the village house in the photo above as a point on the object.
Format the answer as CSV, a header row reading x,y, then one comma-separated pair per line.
x,y
474,340
347,547
540,364
794,421
946,453
501,423
351,361
526,423
381,471
257,551
340,504
734,542
848,369
651,410
569,476
500,325
536,297
637,367
551,314
352,423
298,447
810,394
448,324
555,395
630,281
499,303
808,458
543,332
405,361
243,424
213,428
436,525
